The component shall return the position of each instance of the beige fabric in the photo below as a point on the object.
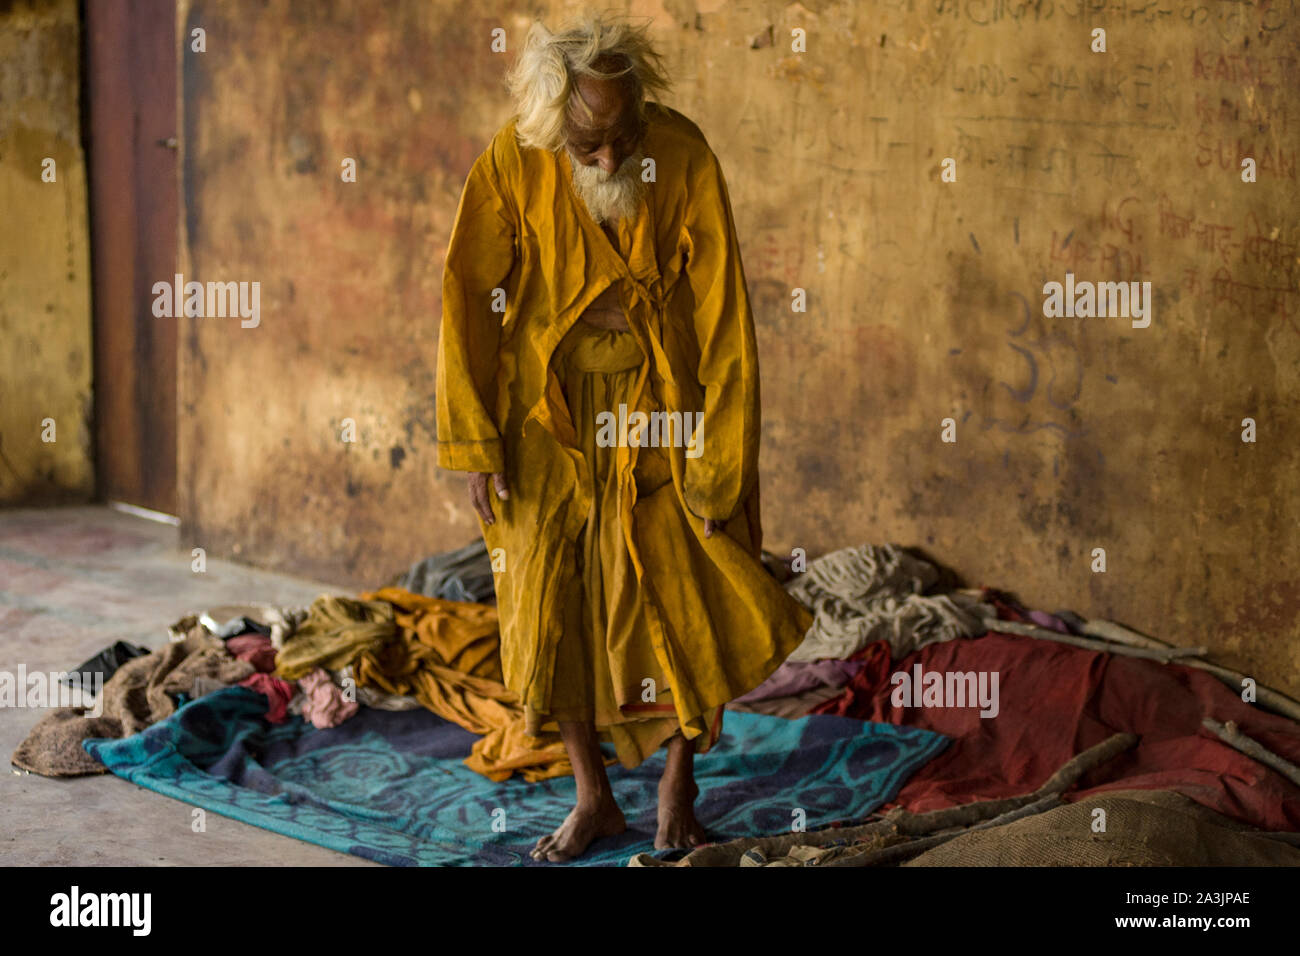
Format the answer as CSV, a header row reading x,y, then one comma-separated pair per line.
x,y
1143,828
875,593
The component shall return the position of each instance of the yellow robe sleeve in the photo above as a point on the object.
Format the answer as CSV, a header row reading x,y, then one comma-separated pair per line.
x,y
480,257
726,470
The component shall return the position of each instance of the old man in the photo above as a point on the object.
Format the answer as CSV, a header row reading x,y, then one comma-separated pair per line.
x,y
594,275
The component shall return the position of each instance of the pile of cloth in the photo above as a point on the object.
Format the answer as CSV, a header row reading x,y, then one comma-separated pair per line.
x,y
867,601
881,616
142,688
444,655
430,640
392,649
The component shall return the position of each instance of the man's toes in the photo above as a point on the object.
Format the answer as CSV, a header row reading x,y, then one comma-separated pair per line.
x,y
557,852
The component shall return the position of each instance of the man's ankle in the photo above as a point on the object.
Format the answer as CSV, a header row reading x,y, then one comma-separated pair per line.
x,y
596,800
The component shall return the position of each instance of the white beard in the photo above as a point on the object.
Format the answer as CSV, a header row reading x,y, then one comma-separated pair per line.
x,y
609,197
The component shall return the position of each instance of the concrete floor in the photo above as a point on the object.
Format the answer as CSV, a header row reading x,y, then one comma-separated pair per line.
x,y
73,581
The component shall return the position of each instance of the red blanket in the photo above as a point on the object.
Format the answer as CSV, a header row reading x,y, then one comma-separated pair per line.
x,y
1056,701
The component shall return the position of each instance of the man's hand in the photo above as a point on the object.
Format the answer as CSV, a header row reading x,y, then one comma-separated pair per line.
x,y
479,497
710,526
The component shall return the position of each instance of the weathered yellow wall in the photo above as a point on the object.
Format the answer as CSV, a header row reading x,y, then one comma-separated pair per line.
x,y
45,347
924,298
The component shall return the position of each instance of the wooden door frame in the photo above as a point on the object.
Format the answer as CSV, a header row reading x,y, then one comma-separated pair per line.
x,y
131,127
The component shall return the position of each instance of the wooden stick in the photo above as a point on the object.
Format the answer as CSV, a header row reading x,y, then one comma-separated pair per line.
x,y
905,851
923,824
1079,765
1045,802
1119,634
1266,697
1253,748
977,813
1134,644
1164,655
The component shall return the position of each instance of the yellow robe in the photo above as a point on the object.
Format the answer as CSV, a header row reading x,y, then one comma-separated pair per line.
x,y
718,622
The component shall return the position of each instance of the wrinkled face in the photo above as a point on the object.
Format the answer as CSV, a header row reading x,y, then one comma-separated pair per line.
x,y
606,147
613,131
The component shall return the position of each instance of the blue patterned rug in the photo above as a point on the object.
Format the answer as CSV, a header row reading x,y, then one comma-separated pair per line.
x,y
391,787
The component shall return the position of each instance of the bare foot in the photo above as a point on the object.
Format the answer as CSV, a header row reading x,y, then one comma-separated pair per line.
x,y
579,828
677,824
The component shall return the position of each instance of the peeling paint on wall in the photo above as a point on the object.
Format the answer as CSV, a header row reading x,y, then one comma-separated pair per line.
x,y
45,347
924,297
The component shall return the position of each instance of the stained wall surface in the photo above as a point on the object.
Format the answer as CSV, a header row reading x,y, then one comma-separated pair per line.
x,y
924,297
45,347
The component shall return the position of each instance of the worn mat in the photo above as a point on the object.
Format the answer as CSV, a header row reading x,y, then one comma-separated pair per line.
x,y
1118,828
392,787
1142,828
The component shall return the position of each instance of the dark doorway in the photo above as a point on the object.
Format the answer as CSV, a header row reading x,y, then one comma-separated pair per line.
x,y
131,125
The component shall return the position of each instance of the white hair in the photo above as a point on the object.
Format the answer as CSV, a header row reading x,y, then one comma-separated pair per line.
x,y
610,196
542,79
